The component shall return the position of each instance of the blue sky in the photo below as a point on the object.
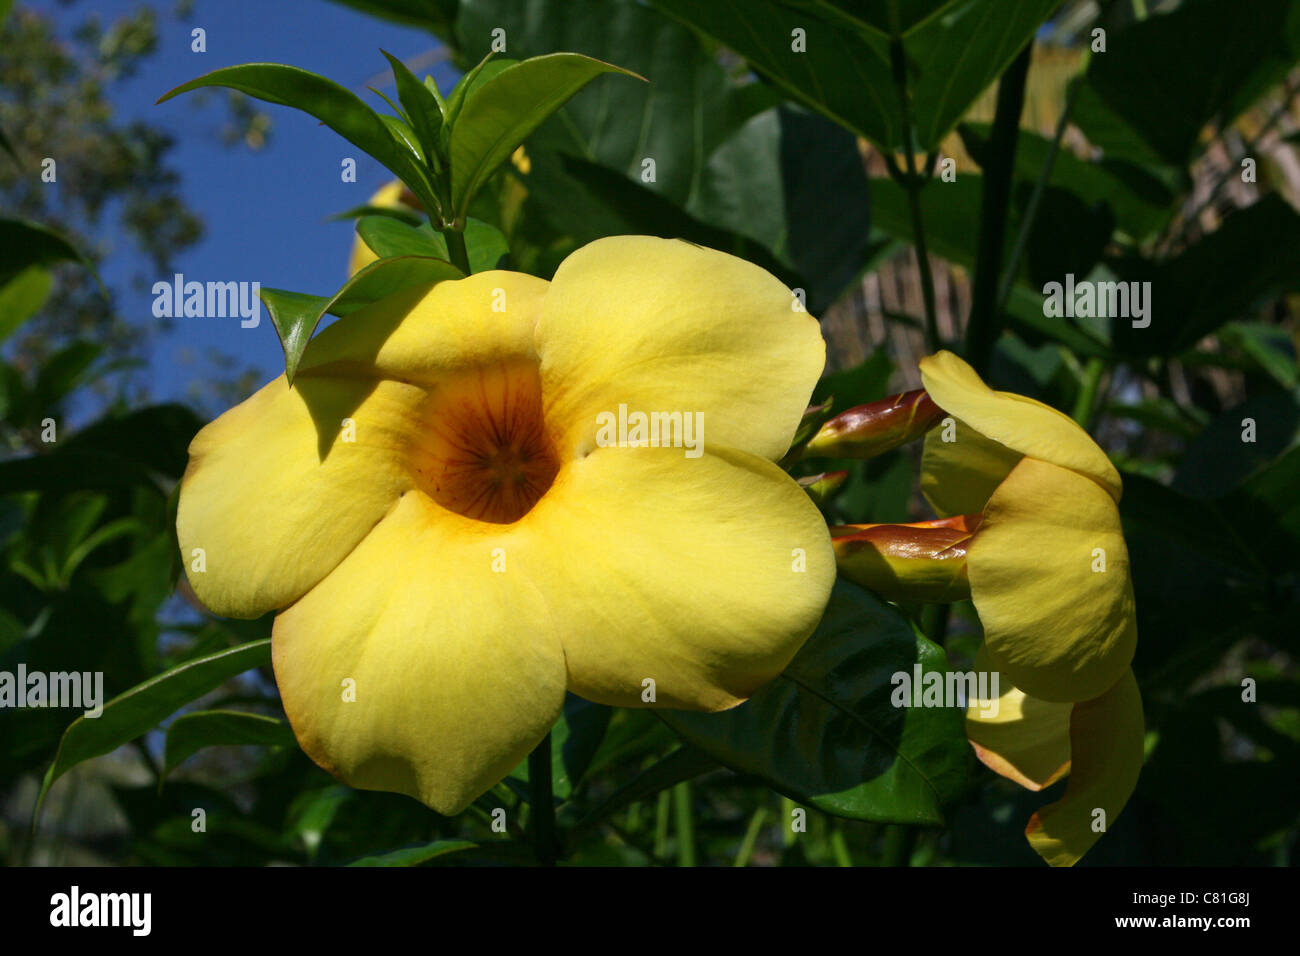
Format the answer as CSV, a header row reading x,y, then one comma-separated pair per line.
x,y
263,210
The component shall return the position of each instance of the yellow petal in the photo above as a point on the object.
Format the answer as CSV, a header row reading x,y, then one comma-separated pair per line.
x,y
664,325
1106,751
1049,575
702,575
959,476
1021,424
276,495
1024,739
456,667
424,335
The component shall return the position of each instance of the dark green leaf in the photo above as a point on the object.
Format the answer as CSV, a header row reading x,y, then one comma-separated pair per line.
x,y
190,733
336,107
415,855
574,740
24,244
387,237
143,707
826,732
295,315
422,108
499,114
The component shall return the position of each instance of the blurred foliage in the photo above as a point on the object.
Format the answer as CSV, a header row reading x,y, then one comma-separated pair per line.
x,y
758,151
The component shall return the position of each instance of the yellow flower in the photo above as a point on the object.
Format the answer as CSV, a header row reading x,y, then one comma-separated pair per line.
x,y
453,539
1048,569
1035,743
395,195
1031,533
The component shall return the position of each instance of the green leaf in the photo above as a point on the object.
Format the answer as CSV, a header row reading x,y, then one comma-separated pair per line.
x,y
1142,101
826,733
889,18
21,298
387,237
436,16
140,709
400,213
336,107
789,182
190,733
842,75
1252,257
415,855
498,115
575,739
4,141
24,244
422,107
952,59
295,315
683,763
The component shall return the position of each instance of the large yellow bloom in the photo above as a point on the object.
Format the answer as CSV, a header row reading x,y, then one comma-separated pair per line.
x,y
453,546
1048,569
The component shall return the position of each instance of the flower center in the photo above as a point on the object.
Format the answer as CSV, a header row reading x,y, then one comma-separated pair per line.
x,y
486,454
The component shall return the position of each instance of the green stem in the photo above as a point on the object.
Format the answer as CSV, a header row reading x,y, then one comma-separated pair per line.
x,y
839,846
685,824
985,323
1031,209
913,182
751,837
1088,388
542,801
456,250
662,808
900,840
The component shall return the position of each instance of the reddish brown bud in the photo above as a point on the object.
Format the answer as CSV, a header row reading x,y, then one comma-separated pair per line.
x,y
924,561
870,430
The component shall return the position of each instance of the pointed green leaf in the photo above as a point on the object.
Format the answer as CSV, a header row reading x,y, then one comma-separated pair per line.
x,y
387,237
190,733
24,244
423,110
336,107
415,855
295,315
140,709
499,113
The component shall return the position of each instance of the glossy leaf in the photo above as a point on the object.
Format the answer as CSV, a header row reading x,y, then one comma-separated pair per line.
x,y
574,740
190,733
336,107
24,244
296,315
143,707
415,855
499,114
388,237
422,108
826,733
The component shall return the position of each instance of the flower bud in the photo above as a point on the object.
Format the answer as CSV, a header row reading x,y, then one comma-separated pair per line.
x,y
924,561
873,429
821,487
